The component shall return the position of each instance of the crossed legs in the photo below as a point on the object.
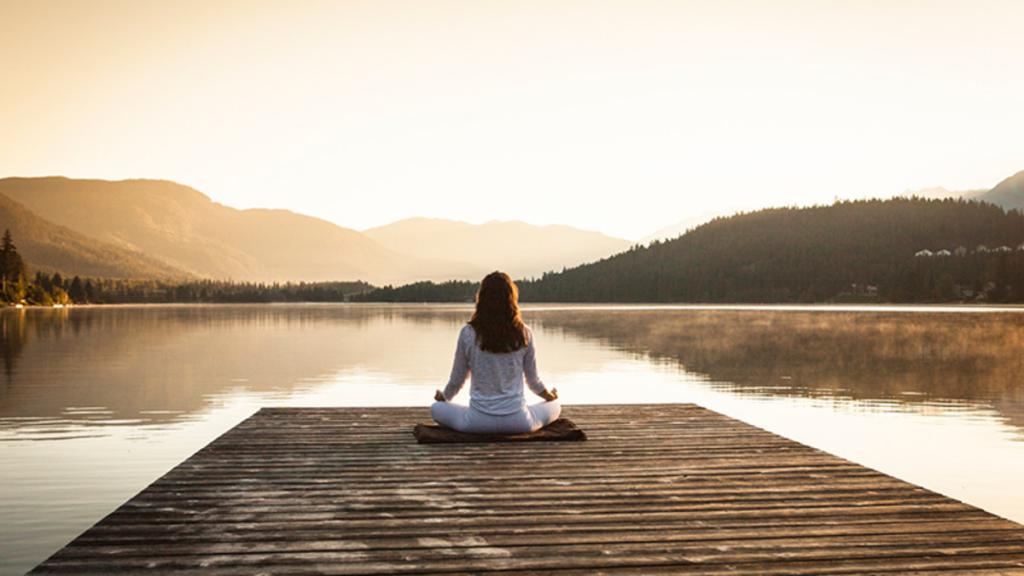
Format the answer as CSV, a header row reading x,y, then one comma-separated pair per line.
x,y
465,419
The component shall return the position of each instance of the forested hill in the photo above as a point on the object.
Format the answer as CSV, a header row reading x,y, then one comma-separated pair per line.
x,y
811,254
849,251
49,247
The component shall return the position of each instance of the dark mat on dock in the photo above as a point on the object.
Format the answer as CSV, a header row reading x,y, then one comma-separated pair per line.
x,y
561,430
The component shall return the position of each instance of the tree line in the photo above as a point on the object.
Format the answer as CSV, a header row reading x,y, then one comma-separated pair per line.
x,y
118,291
18,287
450,291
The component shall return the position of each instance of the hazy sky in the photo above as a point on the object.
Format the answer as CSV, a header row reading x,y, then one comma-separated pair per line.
x,y
618,116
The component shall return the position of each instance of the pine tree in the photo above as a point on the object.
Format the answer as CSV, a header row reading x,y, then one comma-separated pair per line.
x,y
11,264
77,291
12,271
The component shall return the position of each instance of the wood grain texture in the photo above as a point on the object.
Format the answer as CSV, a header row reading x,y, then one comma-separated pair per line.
x,y
656,489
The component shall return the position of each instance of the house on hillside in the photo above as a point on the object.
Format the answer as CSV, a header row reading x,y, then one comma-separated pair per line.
x,y
960,251
924,253
857,293
1003,248
1020,247
981,249
943,252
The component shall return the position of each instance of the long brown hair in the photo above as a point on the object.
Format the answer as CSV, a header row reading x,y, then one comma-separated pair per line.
x,y
497,322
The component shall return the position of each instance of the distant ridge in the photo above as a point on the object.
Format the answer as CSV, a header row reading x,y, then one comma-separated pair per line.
x,y
50,248
185,229
521,249
683,226
939,193
1009,193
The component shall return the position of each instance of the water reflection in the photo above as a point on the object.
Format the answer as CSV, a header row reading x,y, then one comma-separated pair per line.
x,y
877,355
151,365
95,403
12,340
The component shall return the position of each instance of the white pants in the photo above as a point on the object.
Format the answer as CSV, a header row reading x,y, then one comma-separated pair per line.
x,y
465,419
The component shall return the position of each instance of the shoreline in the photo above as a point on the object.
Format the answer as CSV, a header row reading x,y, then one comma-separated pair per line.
x,y
542,306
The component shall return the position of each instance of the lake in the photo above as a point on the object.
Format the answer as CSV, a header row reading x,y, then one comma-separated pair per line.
x,y
97,402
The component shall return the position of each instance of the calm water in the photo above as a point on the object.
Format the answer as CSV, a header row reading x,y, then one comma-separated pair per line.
x,y
95,403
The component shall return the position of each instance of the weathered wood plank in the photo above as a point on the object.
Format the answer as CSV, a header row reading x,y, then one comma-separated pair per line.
x,y
895,522
927,533
657,489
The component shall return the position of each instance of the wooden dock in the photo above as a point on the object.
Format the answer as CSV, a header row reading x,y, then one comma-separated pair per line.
x,y
656,489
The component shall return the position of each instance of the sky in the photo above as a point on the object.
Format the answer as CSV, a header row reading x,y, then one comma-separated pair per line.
x,y
623,117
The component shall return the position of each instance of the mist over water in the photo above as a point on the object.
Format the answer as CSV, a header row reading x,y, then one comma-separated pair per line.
x,y
96,402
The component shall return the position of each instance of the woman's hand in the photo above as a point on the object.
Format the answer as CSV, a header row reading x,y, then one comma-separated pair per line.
x,y
439,396
550,395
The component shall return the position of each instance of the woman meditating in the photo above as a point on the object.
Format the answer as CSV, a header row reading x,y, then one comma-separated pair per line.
x,y
497,349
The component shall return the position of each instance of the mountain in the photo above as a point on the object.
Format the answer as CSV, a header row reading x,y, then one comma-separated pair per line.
x,y
938,193
1009,193
681,227
187,230
518,248
52,248
809,254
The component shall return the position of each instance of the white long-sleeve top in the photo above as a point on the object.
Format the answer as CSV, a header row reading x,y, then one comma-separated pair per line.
x,y
496,384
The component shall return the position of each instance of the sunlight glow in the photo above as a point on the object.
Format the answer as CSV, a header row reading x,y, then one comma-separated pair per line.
x,y
617,116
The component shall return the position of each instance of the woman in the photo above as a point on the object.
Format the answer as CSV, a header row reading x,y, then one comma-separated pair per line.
x,y
497,349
